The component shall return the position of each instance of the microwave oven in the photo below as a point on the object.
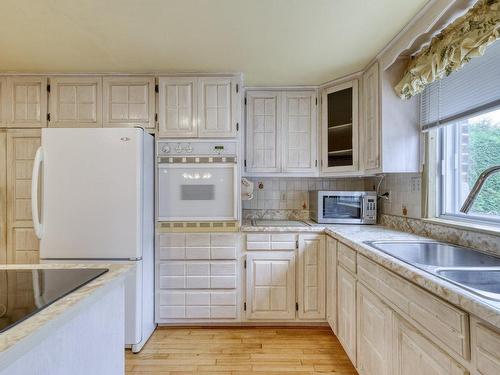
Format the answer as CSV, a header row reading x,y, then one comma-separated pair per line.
x,y
343,207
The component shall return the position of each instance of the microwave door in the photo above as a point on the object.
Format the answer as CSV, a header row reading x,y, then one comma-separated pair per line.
x,y
343,208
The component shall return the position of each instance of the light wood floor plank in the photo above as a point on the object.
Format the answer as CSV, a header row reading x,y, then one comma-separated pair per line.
x,y
240,351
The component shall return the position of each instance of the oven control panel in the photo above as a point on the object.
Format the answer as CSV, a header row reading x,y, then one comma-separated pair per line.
x,y
184,148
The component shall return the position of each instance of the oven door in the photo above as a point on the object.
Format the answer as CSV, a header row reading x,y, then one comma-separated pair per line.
x,y
342,207
197,192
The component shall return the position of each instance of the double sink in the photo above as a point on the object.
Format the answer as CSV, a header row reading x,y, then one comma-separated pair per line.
x,y
467,268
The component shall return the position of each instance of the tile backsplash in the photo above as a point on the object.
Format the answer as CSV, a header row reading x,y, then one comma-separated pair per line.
x,y
284,197
405,194
291,194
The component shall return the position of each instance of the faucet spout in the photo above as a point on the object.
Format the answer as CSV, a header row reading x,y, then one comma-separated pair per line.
x,y
469,201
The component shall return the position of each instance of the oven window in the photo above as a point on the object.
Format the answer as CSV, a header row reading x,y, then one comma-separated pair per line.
x,y
197,192
342,207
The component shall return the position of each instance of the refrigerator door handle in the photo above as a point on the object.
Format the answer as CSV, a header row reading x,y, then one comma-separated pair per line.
x,y
34,192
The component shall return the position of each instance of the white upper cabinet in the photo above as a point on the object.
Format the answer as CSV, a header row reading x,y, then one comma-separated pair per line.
x,y
217,107
263,131
281,135
311,280
129,101
205,107
26,102
340,128
371,130
299,131
75,101
178,107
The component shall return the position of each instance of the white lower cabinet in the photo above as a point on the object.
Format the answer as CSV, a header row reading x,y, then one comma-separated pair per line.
x,y
331,283
414,354
346,305
270,285
311,281
197,277
374,334
285,276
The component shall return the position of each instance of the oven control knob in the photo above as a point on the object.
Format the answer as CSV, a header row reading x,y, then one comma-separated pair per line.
x,y
165,149
189,149
178,148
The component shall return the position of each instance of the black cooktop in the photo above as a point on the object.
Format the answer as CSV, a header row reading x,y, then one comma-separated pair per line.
x,y
24,292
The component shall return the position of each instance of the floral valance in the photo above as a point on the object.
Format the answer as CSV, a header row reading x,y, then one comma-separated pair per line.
x,y
465,38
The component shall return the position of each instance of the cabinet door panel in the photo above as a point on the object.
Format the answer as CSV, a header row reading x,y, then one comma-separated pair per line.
x,y
346,305
129,101
416,355
340,128
3,102
371,134
22,244
311,283
263,131
216,101
75,102
331,282
26,99
374,334
178,107
271,286
299,131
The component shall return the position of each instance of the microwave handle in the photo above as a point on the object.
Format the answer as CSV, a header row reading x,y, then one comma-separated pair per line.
x,y
362,211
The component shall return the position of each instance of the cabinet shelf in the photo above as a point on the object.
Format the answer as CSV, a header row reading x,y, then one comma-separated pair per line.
x,y
341,152
341,126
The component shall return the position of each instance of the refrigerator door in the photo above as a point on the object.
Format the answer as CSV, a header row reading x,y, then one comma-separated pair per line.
x,y
92,194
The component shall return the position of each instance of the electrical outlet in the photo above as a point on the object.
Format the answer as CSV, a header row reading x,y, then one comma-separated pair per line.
x,y
415,183
404,210
389,197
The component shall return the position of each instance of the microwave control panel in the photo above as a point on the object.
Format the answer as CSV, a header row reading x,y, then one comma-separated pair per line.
x,y
370,208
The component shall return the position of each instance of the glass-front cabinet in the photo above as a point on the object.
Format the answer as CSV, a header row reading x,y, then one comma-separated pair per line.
x,y
340,128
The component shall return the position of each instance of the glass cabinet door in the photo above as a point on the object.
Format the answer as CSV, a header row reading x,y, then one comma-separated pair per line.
x,y
340,127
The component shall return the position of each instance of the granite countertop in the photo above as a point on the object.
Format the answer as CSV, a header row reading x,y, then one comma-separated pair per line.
x,y
43,321
355,235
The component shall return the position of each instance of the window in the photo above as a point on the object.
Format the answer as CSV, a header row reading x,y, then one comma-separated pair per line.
x,y
468,147
463,113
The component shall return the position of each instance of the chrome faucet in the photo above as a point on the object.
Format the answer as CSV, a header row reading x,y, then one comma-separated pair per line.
x,y
469,201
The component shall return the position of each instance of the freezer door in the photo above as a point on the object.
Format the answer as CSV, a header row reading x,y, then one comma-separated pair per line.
x,y
92,194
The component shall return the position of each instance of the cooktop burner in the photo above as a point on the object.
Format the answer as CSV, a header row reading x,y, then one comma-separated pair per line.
x,y
24,292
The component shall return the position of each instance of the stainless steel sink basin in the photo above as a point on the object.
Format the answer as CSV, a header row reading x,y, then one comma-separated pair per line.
x,y
473,270
485,282
435,254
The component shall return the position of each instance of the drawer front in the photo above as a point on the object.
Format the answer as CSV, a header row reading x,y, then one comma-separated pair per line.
x,y
485,349
197,275
197,246
445,322
197,305
347,257
274,241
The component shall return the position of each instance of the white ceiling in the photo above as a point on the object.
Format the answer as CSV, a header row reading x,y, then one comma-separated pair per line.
x,y
273,42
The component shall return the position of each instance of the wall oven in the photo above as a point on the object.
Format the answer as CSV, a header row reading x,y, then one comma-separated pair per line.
x,y
197,181
343,207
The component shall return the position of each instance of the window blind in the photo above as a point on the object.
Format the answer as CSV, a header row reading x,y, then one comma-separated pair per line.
x,y
472,89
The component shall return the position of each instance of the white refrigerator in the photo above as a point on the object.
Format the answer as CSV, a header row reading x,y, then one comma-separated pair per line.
x,y
95,204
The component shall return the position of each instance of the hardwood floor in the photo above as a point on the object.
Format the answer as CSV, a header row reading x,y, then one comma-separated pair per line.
x,y
240,351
